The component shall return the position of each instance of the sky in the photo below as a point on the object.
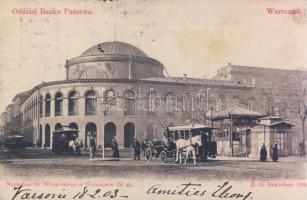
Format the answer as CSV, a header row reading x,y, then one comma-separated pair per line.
x,y
189,37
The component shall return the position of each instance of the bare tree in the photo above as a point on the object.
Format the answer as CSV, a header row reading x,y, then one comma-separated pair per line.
x,y
196,103
300,93
268,98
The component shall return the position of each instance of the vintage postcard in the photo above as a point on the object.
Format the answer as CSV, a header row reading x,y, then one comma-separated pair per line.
x,y
153,99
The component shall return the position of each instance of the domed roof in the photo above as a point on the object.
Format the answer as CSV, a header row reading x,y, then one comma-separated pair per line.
x,y
120,48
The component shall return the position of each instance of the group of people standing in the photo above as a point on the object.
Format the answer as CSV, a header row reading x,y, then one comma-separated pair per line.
x,y
264,153
115,151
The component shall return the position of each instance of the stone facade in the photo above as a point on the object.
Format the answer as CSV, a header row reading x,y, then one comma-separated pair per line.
x,y
115,89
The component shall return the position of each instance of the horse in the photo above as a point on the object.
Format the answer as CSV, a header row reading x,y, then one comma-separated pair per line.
x,y
187,146
75,146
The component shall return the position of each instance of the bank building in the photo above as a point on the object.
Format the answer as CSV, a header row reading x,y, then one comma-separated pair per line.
x,y
114,89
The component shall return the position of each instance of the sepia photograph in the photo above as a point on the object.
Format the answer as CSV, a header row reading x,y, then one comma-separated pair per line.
x,y
144,99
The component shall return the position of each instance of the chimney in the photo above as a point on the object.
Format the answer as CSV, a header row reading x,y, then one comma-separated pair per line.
x,y
185,76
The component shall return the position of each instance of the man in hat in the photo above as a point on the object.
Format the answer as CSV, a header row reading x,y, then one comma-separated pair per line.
x,y
115,153
137,149
92,147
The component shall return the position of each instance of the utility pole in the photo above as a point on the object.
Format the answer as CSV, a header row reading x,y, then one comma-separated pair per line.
x,y
231,138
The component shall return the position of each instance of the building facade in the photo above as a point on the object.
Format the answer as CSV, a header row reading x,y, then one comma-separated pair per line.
x,y
114,89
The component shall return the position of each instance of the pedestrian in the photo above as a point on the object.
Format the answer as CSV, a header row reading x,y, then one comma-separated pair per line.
x,y
92,147
144,146
275,153
137,149
115,153
302,150
263,153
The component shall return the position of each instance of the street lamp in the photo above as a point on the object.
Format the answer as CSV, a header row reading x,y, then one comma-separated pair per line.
x,y
208,98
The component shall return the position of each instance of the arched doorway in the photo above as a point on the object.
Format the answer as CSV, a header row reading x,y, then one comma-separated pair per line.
x,y
40,136
74,126
129,130
47,135
109,134
58,126
90,129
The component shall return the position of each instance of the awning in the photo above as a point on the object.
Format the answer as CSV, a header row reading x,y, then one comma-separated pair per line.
x,y
235,111
189,127
65,129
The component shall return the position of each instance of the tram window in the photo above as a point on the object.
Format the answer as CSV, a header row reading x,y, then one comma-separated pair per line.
x,y
176,135
187,134
181,134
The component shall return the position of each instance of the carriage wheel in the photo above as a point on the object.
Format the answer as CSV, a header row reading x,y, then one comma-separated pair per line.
x,y
148,154
163,156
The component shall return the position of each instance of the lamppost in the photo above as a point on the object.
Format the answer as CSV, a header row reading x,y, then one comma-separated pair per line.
x,y
208,98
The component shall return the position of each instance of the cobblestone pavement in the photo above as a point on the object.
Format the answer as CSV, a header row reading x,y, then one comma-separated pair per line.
x,y
219,168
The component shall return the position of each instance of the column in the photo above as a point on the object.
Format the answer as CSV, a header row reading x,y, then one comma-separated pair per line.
x,y
43,107
51,131
43,136
52,107
81,106
100,134
65,107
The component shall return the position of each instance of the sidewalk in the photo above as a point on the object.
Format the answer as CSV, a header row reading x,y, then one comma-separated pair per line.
x,y
280,159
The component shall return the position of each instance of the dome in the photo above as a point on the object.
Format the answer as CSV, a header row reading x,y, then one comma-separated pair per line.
x,y
119,48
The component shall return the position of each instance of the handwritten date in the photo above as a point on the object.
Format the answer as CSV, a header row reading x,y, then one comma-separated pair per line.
x,y
86,193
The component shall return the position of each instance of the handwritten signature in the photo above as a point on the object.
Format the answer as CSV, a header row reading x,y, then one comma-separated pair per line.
x,y
224,191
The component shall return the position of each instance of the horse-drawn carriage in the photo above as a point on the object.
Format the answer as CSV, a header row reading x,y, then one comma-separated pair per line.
x,y
181,141
65,140
159,149
14,142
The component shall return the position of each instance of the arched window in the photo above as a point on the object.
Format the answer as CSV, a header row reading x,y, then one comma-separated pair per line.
x,y
129,103
170,104
188,105
57,126
58,108
47,105
47,135
109,134
110,97
73,103
129,134
90,129
235,101
74,126
90,103
154,102
41,106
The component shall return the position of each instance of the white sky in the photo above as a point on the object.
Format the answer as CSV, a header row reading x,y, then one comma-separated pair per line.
x,y
193,37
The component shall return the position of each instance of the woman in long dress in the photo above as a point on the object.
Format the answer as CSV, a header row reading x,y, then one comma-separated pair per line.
x,y
115,149
263,153
275,153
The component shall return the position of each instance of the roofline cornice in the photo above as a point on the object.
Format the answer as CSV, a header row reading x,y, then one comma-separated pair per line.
x,y
45,84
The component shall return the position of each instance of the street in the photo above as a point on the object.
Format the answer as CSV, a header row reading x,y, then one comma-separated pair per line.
x,y
46,164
